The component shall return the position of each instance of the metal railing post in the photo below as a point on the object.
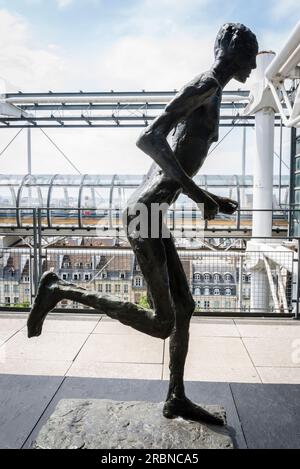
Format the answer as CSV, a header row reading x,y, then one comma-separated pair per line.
x,y
35,252
297,316
40,252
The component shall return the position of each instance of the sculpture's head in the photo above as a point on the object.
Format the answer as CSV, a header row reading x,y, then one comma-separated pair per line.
x,y
239,46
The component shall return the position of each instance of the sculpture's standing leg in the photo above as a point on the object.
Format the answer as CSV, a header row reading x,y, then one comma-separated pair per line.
x,y
177,404
184,309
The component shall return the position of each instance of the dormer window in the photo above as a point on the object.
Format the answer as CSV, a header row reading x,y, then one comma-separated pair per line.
x,y
138,282
206,278
228,278
217,278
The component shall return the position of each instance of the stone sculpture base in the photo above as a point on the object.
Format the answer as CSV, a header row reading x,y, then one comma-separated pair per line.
x,y
105,424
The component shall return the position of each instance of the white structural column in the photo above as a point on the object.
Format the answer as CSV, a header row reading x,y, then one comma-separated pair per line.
x,y
29,164
264,158
262,187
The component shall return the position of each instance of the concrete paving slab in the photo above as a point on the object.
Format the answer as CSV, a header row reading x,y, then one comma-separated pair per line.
x,y
49,347
70,325
23,399
121,349
109,326
116,370
33,367
272,352
210,329
290,330
275,375
269,414
8,323
216,352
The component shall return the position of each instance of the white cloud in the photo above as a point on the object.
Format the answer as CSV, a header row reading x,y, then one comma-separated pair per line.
x,y
23,64
149,63
284,8
64,3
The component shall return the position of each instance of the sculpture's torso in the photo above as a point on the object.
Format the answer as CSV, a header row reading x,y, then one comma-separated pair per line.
x,y
191,141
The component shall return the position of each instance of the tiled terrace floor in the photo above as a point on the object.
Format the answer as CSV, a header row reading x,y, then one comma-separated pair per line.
x,y
240,360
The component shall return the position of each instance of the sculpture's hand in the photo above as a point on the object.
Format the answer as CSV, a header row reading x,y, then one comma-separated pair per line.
x,y
226,205
211,208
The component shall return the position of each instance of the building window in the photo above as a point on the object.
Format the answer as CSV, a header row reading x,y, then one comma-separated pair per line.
x,y
122,276
206,278
138,282
16,288
7,300
197,277
6,288
64,276
16,300
104,275
206,304
125,288
27,291
108,288
228,278
100,288
76,276
206,291
197,291
217,278
66,265
228,292
217,292
117,288
87,277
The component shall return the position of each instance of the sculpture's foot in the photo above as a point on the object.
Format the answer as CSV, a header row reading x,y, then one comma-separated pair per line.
x,y
46,299
186,409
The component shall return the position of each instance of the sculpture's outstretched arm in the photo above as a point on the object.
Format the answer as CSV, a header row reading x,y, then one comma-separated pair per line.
x,y
153,141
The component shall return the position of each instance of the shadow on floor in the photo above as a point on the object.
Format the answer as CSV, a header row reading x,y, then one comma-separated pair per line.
x,y
259,415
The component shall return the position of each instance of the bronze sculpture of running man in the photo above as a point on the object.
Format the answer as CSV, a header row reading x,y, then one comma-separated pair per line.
x,y
193,115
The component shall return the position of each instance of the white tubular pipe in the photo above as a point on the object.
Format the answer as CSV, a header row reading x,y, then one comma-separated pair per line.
x,y
289,48
263,162
290,64
263,174
262,187
115,99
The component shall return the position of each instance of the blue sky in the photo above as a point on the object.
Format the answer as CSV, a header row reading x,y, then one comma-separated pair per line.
x,y
71,22
128,44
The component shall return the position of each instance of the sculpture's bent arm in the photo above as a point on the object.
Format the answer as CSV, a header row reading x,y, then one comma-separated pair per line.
x,y
153,141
